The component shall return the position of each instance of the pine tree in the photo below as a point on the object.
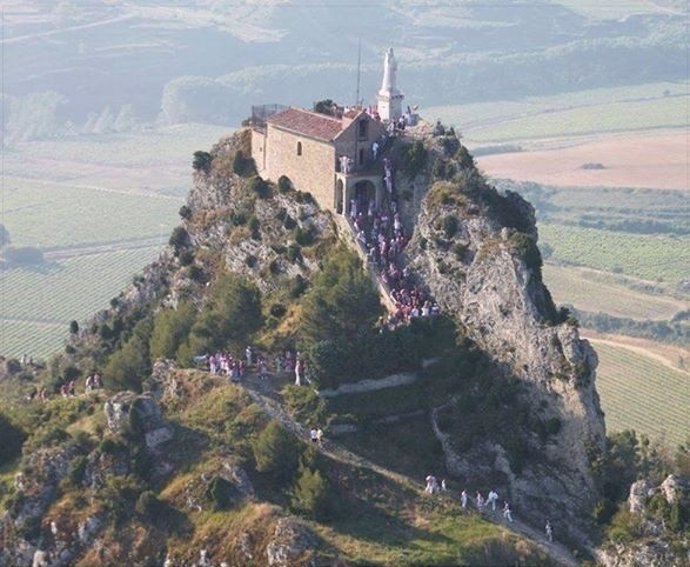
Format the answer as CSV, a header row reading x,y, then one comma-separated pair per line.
x,y
310,493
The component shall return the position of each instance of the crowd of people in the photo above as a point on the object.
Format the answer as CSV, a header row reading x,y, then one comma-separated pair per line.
x,y
223,363
481,503
379,231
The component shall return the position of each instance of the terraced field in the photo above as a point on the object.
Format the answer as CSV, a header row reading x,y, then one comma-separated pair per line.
x,y
37,305
639,392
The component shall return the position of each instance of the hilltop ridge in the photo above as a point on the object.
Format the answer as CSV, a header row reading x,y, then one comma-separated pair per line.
x,y
500,390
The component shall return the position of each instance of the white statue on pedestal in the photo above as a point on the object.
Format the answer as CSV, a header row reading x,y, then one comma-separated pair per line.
x,y
389,97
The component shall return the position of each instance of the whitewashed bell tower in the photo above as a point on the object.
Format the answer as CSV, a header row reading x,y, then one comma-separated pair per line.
x,y
389,97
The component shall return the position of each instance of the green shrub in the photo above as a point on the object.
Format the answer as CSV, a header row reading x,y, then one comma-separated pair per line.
x,y
250,260
148,506
260,187
294,253
450,226
415,158
127,367
185,212
73,327
304,237
110,446
304,404
310,494
179,239
12,440
202,161
231,315
186,257
220,492
77,467
170,329
255,227
342,302
284,184
242,165
275,452
278,310
298,286
289,223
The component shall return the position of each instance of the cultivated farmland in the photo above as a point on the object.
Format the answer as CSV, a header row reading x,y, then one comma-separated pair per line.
x,y
592,291
651,257
38,304
639,392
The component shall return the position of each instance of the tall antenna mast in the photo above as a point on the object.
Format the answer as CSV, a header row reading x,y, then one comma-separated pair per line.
x,y
359,69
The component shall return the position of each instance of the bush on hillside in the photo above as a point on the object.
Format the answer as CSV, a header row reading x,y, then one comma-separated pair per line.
x,y
284,184
129,366
202,161
342,302
231,315
179,239
148,506
12,440
260,187
310,495
275,452
170,329
415,158
220,492
242,165
185,212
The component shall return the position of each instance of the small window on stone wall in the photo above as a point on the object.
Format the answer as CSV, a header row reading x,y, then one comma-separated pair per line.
x,y
363,129
299,148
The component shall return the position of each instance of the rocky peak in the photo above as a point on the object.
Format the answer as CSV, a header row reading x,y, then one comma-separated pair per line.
x,y
476,250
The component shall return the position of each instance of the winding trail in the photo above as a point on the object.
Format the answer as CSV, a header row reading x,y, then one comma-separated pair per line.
x,y
259,391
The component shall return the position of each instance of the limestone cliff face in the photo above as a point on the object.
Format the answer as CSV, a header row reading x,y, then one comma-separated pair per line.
x,y
476,251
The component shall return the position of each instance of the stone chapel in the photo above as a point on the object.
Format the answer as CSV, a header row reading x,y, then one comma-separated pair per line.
x,y
330,156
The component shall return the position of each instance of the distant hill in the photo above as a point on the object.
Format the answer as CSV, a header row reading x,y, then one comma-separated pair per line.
x,y
206,62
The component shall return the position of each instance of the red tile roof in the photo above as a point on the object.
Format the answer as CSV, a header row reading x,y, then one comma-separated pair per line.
x,y
307,123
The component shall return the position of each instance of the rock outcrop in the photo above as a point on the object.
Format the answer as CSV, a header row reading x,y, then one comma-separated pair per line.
x,y
476,251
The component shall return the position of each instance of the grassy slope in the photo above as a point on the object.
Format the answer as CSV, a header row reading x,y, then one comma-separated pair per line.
x,y
639,392
376,518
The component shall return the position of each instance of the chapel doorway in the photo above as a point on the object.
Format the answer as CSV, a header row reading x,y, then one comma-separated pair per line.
x,y
339,196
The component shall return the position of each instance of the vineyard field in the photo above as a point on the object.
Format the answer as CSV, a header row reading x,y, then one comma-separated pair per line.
x,y
37,339
650,257
598,292
36,322
566,114
168,144
639,392
45,214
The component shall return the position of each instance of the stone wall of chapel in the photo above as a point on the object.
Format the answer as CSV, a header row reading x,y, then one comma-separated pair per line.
x,y
259,150
349,143
313,171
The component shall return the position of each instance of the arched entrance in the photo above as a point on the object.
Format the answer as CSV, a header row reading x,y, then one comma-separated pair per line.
x,y
365,192
339,196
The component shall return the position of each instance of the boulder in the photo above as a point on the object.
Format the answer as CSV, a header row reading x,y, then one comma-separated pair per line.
x,y
138,414
671,489
292,545
639,491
